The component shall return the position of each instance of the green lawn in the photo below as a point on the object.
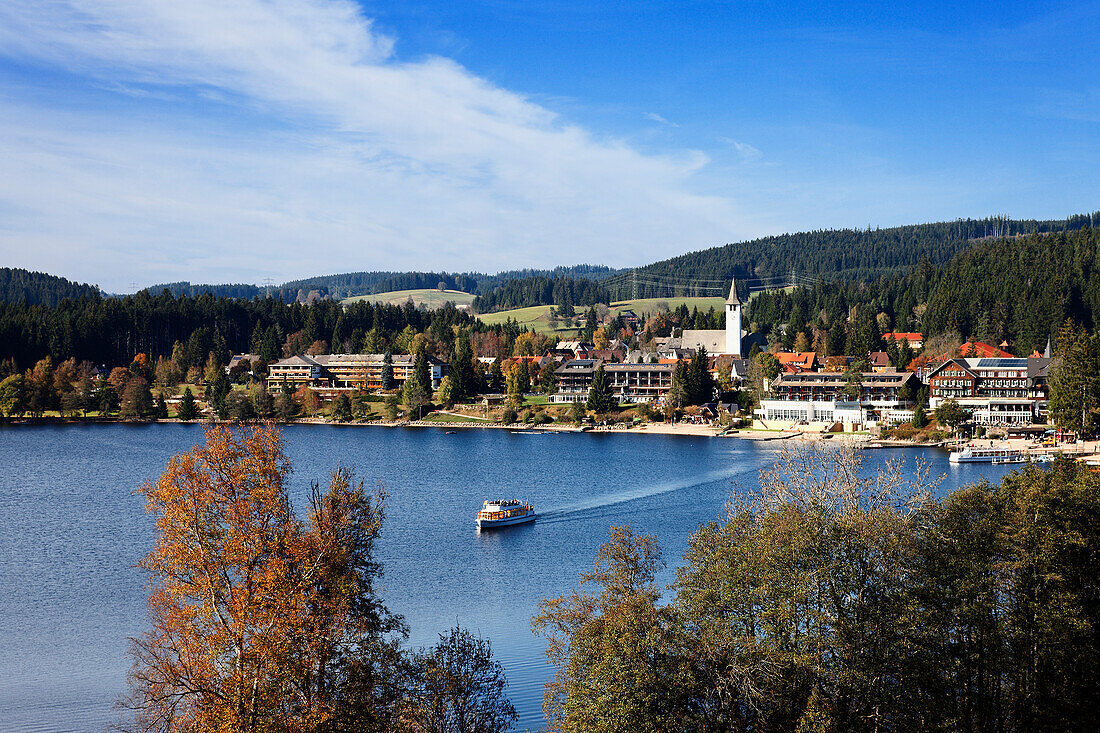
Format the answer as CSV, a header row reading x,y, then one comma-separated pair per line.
x,y
447,418
538,316
649,305
430,297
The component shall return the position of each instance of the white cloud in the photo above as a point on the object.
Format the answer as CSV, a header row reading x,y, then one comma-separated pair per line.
x,y
746,151
658,118
310,148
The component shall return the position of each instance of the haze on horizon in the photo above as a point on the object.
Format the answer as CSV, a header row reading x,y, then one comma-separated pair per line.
x,y
215,141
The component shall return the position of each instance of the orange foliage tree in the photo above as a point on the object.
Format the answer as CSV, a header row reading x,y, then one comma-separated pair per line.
x,y
261,621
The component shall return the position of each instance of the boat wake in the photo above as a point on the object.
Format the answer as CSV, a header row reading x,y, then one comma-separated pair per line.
x,y
642,492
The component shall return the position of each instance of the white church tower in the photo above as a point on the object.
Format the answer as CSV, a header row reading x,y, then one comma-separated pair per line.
x,y
733,321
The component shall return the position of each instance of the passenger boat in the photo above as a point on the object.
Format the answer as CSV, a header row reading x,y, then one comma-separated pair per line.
x,y
971,454
504,513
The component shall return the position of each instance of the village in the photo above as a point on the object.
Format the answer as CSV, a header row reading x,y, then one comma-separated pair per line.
x,y
617,370
748,390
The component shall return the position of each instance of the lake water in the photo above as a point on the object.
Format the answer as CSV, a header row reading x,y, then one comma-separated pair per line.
x,y
72,533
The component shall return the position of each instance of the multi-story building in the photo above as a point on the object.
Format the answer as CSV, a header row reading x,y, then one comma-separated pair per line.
x,y
836,397
629,382
640,382
347,371
1001,391
873,389
915,340
574,378
294,372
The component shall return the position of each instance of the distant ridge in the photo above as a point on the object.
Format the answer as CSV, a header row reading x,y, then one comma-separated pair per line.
x,y
346,285
844,254
39,288
802,257
767,262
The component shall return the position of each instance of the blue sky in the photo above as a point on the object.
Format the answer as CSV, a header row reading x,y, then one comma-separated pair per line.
x,y
144,141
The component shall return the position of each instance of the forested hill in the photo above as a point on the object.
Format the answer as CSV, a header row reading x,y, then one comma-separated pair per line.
x,y
383,281
38,288
1017,290
565,292
233,290
366,283
845,254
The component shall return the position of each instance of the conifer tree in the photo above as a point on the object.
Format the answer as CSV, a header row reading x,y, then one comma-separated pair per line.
x,y
342,409
421,371
387,371
186,409
600,398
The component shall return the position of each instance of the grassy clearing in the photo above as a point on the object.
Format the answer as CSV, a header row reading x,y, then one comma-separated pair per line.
x,y
649,305
538,316
449,418
430,297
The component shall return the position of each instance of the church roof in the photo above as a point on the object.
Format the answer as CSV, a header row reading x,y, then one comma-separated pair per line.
x,y
733,299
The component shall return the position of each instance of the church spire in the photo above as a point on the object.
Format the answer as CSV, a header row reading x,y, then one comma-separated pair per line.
x,y
733,299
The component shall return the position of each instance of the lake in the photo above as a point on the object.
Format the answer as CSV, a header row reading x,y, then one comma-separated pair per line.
x,y
73,532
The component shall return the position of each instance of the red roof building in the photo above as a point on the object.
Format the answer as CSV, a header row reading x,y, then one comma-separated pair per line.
x,y
794,362
916,340
982,351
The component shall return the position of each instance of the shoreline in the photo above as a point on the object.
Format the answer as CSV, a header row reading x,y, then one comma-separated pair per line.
x,y
864,441
657,428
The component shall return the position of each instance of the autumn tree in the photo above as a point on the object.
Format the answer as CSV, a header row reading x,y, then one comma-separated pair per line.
x,y
414,396
11,395
238,406
341,409
212,369
519,378
547,378
261,621
609,644
802,589
460,687
137,400
285,409
951,414
448,391
308,399
167,373
263,404
38,384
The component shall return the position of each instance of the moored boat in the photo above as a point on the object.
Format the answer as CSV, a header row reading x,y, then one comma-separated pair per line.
x,y
504,513
972,454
